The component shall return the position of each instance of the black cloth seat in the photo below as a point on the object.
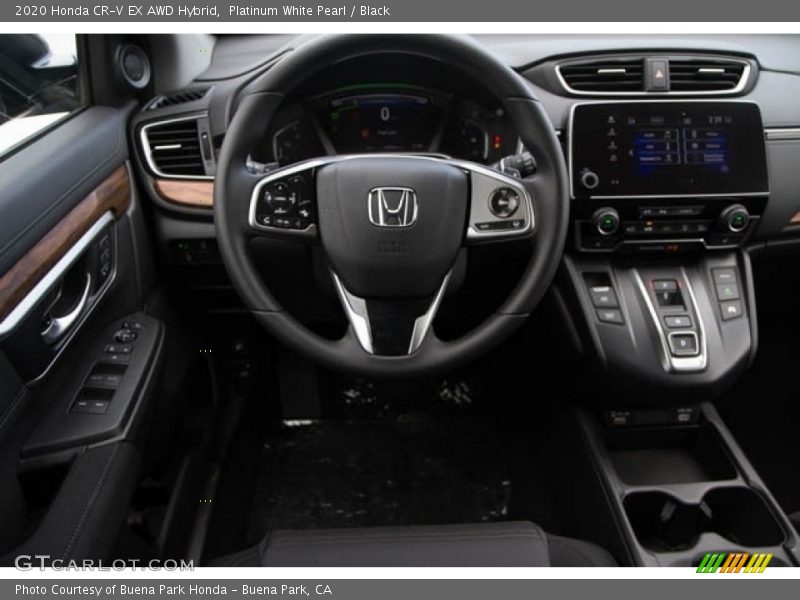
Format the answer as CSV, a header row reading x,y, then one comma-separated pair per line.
x,y
512,544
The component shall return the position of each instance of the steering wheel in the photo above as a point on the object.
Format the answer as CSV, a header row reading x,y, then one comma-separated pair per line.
x,y
391,225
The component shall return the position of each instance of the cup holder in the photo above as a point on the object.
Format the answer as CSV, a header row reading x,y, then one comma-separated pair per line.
x,y
662,523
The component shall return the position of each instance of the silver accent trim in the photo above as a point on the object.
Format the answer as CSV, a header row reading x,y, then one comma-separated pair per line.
x,y
423,323
357,314
40,290
570,145
60,326
526,208
356,310
782,133
670,363
148,152
743,81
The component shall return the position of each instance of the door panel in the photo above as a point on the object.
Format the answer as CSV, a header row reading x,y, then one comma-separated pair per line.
x,y
74,260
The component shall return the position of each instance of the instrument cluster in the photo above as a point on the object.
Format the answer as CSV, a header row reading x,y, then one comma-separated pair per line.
x,y
388,118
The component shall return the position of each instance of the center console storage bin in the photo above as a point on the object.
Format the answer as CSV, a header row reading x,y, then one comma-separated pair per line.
x,y
662,456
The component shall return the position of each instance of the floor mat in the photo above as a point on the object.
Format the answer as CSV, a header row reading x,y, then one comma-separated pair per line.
x,y
408,469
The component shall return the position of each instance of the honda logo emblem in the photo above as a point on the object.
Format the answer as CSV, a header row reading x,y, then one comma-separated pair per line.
x,y
392,207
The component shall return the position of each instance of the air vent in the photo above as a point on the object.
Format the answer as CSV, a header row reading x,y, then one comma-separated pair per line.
x,y
707,75
173,148
181,97
603,76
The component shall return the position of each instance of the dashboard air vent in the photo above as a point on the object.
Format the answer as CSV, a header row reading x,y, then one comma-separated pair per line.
x,y
706,75
604,75
173,148
180,97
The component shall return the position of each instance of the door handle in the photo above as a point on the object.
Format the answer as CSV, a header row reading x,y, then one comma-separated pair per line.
x,y
59,326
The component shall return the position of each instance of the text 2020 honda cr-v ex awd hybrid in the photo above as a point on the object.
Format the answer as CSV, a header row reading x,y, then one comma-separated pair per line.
x,y
399,300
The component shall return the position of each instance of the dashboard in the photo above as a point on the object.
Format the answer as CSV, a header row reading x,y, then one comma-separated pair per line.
x,y
388,117
696,164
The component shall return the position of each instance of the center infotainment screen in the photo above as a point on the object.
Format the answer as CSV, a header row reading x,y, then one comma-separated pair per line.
x,y
667,149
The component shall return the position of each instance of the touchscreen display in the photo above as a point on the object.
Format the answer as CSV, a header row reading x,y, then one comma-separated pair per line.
x,y
667,148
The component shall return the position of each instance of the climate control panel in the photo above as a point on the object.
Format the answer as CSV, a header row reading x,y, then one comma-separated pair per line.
x,y
665,225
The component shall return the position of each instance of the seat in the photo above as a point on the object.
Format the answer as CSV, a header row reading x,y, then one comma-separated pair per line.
x,y
511,544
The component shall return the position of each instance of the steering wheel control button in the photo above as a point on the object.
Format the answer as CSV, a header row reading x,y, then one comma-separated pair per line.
x,y
731,309
606,221
610,315
125,336
285,204
504,202
500,225
678,321
603,296
683,344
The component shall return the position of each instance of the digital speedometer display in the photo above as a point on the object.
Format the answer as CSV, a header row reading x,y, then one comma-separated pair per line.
x,y
381,123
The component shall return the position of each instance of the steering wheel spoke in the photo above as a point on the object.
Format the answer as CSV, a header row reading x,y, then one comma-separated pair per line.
x,y
390,327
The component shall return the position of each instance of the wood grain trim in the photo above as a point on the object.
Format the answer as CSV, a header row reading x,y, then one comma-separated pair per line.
x,y
113,194
198,194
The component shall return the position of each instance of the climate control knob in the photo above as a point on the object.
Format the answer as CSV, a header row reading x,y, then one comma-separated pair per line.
x,y
734,218
606,221
590,180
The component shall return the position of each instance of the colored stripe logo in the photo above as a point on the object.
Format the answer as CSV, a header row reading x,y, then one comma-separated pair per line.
x,y
734,562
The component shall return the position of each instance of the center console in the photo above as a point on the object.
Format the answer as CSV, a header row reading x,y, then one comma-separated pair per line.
x,y
665,193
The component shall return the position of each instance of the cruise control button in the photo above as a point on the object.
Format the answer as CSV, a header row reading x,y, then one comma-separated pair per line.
x,y
731,309
610,315
678,321
603,296
683,344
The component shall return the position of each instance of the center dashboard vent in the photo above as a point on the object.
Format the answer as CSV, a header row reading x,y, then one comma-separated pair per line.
x,y
179,97
603,75
692,75
639,75
178,147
